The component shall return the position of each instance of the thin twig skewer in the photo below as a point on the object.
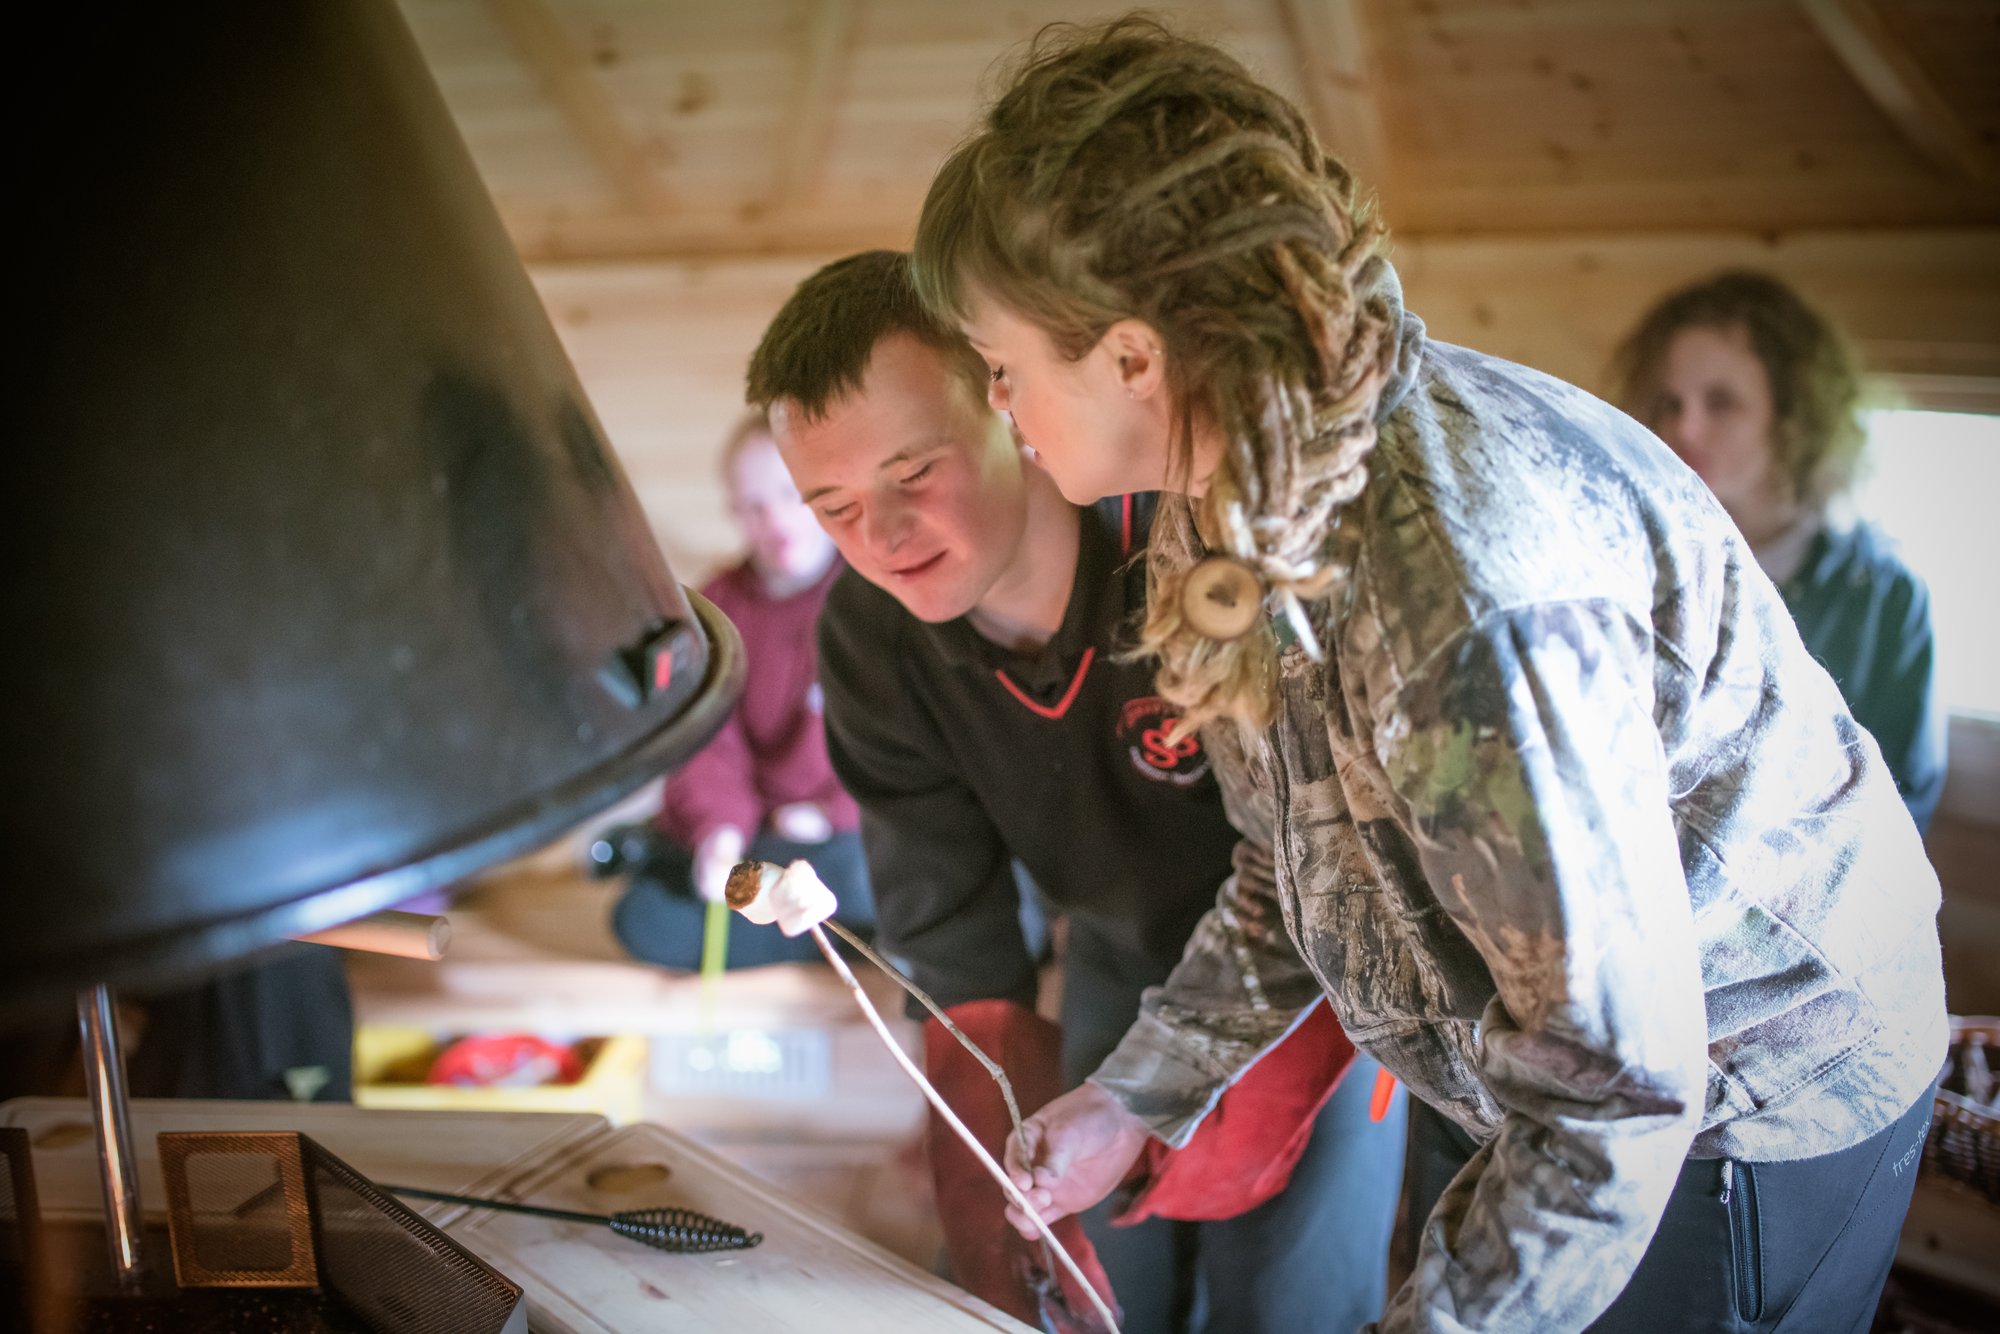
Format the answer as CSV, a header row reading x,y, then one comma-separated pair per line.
x,y
908,984
998,1173
993,1067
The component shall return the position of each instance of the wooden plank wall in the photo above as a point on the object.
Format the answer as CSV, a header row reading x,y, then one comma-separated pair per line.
x,y
661,345
1922,306
1964,843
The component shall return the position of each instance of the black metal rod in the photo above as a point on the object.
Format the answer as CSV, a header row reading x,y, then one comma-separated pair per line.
x,y
506,1206
117,1165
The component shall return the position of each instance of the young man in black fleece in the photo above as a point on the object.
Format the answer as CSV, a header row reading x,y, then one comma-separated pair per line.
x,y
979,707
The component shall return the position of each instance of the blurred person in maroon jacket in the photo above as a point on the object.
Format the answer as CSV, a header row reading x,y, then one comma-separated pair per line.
x,y
763,787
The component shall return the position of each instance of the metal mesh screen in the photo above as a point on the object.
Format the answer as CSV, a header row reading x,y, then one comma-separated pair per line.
x,y
20,1219
394,1269
238,1210
274,1209
240,1216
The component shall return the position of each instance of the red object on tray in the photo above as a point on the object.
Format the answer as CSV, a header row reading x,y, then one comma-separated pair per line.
x,y
505,1060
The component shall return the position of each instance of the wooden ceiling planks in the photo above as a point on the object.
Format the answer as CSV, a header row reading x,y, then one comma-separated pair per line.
x,y
919,76
1885,67
1580,117
1957,44
771,126
704,128
524,148
565,75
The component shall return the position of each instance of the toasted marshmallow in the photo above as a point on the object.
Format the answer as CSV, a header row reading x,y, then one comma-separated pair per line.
x,y
793,897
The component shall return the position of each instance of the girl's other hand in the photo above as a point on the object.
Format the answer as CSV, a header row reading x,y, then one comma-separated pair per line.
x,y
1071,1154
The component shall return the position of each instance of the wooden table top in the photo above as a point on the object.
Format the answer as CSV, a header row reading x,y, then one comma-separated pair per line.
x,y
810,1274
466,1153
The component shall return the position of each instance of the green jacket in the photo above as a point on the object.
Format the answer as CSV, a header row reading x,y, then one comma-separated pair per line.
x,y
1866,616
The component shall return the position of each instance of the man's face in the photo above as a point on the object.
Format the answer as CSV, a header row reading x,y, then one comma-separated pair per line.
x,y
918,483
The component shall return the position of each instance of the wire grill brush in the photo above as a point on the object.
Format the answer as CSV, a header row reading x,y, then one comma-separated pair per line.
x,y
681,1231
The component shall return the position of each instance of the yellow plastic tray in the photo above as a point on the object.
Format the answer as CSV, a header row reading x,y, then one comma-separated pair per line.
x,y
390,1061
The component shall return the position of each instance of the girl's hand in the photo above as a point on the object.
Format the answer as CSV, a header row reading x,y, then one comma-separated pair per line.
x,y
1072,1154
802,822
714,858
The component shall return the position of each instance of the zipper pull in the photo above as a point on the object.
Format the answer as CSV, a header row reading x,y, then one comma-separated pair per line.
x,y
1728,1179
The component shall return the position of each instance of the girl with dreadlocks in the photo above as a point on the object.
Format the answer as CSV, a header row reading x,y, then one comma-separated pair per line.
x,y
1539,783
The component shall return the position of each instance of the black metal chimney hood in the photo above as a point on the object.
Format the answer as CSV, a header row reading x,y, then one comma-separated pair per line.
x,y
324,587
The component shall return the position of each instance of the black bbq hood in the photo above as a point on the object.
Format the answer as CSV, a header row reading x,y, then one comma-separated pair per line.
x,y
323,587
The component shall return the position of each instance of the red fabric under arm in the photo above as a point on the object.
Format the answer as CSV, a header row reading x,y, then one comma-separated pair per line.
x,y
1243,1153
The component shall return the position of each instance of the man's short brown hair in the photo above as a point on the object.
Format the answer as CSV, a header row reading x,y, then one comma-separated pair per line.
x,y
817,347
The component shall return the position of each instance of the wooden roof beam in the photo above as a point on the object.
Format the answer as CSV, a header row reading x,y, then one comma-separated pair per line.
x,y
545,46
809,118
1331,41
1889,73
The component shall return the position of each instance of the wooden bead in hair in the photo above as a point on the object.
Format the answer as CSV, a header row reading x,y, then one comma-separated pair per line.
x,y
1222,598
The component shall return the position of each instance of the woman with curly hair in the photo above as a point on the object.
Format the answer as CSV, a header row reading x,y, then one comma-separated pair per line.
x,y
1757,392
1537,781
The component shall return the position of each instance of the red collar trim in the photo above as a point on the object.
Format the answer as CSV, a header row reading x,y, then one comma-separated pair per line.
x,y
1061,706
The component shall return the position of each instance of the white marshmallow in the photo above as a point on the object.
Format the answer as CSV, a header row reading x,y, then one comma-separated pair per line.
x,y
794,899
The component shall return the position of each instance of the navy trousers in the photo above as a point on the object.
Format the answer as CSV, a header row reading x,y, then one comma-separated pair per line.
x,y
1312,1258
1798,1247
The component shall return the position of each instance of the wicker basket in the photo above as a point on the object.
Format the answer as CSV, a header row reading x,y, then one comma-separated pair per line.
x,y
1964,1142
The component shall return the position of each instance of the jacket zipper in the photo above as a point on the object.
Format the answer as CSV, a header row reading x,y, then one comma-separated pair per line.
x,y
1739,1200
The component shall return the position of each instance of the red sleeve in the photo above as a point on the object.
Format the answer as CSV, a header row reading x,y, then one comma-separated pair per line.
x,y
713,789
841,811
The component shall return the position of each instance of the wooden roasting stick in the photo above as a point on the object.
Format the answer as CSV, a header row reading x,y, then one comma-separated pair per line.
x,y
408,935
794,899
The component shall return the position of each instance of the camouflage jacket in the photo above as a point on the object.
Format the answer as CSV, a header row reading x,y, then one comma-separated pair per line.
x,y
1579,840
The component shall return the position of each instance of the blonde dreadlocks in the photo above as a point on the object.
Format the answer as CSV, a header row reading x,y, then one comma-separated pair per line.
x,y
1132,173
